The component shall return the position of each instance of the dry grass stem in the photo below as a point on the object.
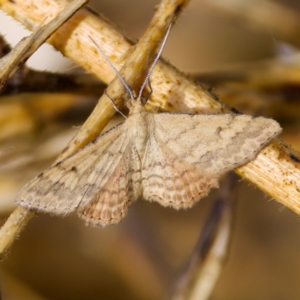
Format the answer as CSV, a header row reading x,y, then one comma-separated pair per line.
x,y
165,15
269,88
11,229
131,71
276,171
206,263
174,91
207,273
262,74
27,46
19,218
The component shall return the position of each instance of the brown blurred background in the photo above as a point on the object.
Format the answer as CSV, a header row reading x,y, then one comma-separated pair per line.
x,y
142,257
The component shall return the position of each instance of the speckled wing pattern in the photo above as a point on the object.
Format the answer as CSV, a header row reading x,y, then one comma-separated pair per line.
x,y
105,170
110,204
181,159
186,154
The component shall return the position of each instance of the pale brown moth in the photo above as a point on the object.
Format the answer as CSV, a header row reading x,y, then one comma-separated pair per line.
x,y
174,159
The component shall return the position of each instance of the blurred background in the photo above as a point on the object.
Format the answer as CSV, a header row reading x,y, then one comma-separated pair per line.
x,y
143,256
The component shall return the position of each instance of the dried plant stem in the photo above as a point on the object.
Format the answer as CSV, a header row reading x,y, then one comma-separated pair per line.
x,y
72,39
276,171
165,15
207,273
206,262
131,72
167,82
25,48
19,218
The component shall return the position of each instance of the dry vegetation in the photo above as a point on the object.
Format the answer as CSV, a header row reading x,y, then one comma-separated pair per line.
x,y
143,257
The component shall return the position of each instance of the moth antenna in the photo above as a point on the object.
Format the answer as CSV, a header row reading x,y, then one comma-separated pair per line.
x,y
144,101
154,62
114,105
127,87
150,93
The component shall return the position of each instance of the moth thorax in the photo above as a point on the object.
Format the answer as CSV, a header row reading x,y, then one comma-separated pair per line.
x,y
136,106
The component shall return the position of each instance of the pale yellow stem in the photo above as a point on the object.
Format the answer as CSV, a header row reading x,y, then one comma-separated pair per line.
x,y
19,218
173,91
165,15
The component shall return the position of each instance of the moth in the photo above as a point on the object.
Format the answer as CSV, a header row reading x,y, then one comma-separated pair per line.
x,y
173,159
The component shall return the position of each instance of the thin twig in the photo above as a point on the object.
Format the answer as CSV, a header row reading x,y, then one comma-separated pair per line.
x,y
27,46
11,229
